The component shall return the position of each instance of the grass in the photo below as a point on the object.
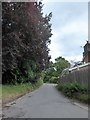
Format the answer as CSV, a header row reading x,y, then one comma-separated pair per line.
x,y
84,97
0,91
11,92
75,91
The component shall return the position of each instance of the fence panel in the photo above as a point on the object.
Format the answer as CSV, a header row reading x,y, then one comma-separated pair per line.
x,y
82,76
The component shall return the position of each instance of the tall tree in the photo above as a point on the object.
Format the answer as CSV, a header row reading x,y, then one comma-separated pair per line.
x,y
52,74
25,35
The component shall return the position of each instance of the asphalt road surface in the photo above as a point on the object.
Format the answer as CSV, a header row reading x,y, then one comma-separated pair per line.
x,y
45,102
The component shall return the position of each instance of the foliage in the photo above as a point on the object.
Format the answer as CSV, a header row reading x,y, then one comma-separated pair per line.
x,y
74,90
0,91
25,35
84,98
70,88
60,64
11,92
54,70
53,79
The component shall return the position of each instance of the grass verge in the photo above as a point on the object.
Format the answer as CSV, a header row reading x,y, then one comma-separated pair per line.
x,y
0,91
75,91
12,92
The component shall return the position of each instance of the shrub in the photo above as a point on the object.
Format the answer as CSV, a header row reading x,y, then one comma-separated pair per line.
x,y
53,79
71,88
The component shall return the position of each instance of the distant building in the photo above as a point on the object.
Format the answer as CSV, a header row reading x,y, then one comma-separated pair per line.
x,y
86,53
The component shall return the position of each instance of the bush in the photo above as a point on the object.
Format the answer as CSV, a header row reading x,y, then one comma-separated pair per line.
x,y
26,72
53,79
50,76
71,88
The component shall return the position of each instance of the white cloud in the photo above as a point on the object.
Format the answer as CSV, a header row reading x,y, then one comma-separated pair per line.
x,y
45,1
78,28
79,25
55,48
70,29
74,58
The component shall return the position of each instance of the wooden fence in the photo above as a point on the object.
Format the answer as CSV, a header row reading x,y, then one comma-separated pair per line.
x,y
82,76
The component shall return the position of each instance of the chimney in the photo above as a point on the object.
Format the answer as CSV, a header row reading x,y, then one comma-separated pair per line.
x,y
86,53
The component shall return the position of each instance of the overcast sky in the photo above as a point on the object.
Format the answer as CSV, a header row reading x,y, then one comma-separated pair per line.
x,y
69,28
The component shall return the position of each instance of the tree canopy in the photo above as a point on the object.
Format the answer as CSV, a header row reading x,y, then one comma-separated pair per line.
x,y
25,38
53,72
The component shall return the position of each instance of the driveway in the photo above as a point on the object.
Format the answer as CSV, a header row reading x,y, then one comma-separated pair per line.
x,y
45,102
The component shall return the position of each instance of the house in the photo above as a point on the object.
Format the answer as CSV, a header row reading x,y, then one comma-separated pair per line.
x,y
86,53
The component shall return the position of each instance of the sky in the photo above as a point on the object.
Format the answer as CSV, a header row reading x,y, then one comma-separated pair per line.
x,y
69,28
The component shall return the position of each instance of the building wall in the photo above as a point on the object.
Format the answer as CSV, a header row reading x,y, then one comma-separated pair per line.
x,y
86,53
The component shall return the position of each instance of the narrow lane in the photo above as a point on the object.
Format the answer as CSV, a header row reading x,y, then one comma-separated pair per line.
x,y
45,102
